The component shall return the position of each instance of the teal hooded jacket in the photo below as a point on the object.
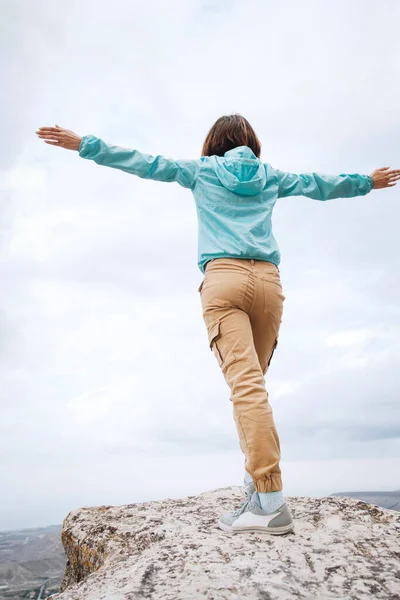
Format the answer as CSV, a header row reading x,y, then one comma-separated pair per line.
x,y
234,194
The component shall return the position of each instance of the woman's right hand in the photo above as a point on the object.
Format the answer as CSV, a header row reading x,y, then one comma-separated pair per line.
x,y
383,178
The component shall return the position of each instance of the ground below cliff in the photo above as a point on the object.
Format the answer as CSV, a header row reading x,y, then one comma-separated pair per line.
x,y
342,549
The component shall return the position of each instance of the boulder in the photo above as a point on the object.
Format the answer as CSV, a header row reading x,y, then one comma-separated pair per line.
x,y
172,549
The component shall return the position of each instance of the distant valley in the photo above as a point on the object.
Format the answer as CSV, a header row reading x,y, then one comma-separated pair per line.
x,y
32,563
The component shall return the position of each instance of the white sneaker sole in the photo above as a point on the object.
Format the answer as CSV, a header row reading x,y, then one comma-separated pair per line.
x,y
259,529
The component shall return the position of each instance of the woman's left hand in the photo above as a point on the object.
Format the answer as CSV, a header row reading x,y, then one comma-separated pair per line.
x,y
58,136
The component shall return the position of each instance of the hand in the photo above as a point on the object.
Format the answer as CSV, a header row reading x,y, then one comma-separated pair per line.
x,y
383,178
58,136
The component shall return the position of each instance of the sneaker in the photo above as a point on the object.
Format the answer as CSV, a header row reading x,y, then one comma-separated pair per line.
x,y
251,517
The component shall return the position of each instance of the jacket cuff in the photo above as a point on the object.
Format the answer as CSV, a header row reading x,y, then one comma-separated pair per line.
x,y
88,146
365,185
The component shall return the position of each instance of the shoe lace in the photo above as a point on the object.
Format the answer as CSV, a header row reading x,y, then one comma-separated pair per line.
x,y
248,504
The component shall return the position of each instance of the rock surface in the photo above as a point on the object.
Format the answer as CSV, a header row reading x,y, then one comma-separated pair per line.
x,y
342,549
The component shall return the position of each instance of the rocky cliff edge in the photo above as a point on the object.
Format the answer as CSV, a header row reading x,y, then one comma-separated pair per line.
x,y
172,549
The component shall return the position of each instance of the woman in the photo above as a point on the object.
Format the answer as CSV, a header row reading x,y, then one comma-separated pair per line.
x,y
241,292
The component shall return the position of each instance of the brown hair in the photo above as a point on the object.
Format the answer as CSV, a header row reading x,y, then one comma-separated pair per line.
x,y
229,132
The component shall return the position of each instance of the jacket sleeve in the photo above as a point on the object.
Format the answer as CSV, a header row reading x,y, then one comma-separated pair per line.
x,y
143,165
323,187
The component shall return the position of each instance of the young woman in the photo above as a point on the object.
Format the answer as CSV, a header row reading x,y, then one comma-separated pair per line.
x,y
241,293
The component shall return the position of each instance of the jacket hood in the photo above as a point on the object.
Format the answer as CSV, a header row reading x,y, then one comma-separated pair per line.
x,y
240,171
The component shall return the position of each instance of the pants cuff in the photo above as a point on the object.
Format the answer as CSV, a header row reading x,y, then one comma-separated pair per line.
x,y
271,483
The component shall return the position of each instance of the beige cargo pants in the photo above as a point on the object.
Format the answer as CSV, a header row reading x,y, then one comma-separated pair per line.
x,y
242,305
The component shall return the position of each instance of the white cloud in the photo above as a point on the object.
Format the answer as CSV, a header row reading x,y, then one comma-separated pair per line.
x,y
90,406
352,337
282,388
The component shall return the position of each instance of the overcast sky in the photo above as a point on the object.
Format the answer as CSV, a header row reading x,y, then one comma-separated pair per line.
x,y
109,392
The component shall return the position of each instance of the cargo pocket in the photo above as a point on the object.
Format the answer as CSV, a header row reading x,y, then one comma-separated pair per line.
x,y
271,355
213,337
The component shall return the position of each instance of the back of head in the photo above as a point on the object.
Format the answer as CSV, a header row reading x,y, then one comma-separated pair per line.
x,y
228,132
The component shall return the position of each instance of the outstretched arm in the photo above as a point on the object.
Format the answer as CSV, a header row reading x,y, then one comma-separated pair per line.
x,y
137,163
326,187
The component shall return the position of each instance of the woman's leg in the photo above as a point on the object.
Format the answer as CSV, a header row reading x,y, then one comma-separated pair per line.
x,y
232,294
265,318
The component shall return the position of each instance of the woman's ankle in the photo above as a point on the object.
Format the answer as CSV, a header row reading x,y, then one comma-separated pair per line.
x,y
271,501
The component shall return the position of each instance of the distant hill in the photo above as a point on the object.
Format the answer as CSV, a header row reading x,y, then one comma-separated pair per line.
x,y
30,558
389,500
